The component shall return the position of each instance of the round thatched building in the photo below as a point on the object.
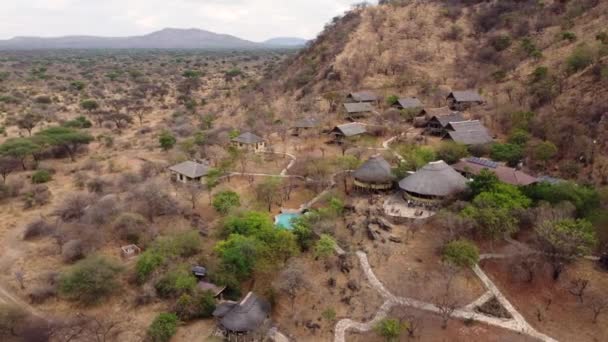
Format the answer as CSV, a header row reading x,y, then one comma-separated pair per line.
x,y
434,181
374,174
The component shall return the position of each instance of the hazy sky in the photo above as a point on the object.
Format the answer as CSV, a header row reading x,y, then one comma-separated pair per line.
x,y
250,19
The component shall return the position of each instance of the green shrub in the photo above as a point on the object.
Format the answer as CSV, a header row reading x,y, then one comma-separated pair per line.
x,y
501,42
392,100
585,199
224,201
147,263
602,37
509,153
41,176
570,36
451,152
166,141
530,48
519,137
163,327
581,58
79,122
175,283
390,329
462,253
329,314
90,280
325,246
199,305
164,249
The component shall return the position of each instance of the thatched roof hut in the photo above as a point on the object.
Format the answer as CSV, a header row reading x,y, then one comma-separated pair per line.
x,y
374,174
349,130
436,179
358,109
471,132
409,103
242,317
362,96
248,138
306,123
189,171
464,99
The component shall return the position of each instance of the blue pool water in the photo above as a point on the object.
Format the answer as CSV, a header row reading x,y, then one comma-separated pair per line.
x,y
284,220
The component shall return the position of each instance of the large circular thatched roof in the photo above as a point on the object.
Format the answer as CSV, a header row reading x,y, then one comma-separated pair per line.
x,y
435,179
375,170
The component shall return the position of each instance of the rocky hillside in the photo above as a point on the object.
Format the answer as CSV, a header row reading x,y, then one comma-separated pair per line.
x,y
541,66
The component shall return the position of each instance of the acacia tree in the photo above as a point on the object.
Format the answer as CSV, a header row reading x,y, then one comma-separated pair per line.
x,y
67,138
20,149
268,191
7,165
140,112
566,239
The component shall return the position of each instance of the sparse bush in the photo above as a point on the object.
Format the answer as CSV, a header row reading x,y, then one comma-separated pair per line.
x,y
97,185
37,228
90,281
36,196
131,228
72,251
501,42
41,177
41,294
73,207
454,33
151,201
530,48
163,327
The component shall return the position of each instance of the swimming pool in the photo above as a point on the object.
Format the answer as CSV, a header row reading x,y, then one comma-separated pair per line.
x,y
284,219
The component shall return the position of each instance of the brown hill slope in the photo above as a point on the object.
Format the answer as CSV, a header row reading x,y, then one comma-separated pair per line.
x,y
547,58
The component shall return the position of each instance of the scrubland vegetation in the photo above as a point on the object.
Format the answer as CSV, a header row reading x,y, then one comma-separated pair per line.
x,y
88,139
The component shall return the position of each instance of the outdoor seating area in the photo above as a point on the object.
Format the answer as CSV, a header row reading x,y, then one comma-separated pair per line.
x,y
396,206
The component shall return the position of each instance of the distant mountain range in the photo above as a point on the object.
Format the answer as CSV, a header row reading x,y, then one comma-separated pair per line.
x,y
168,38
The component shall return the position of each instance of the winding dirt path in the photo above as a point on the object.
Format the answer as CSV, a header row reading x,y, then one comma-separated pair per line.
x,y
517,323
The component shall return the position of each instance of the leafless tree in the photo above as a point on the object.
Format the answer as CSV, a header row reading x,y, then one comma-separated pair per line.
x,y
292,280
446,301
151,201
192,191
73,207
598,303
578,287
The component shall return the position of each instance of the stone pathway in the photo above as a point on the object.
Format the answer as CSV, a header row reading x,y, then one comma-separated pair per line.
x,y
517,324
